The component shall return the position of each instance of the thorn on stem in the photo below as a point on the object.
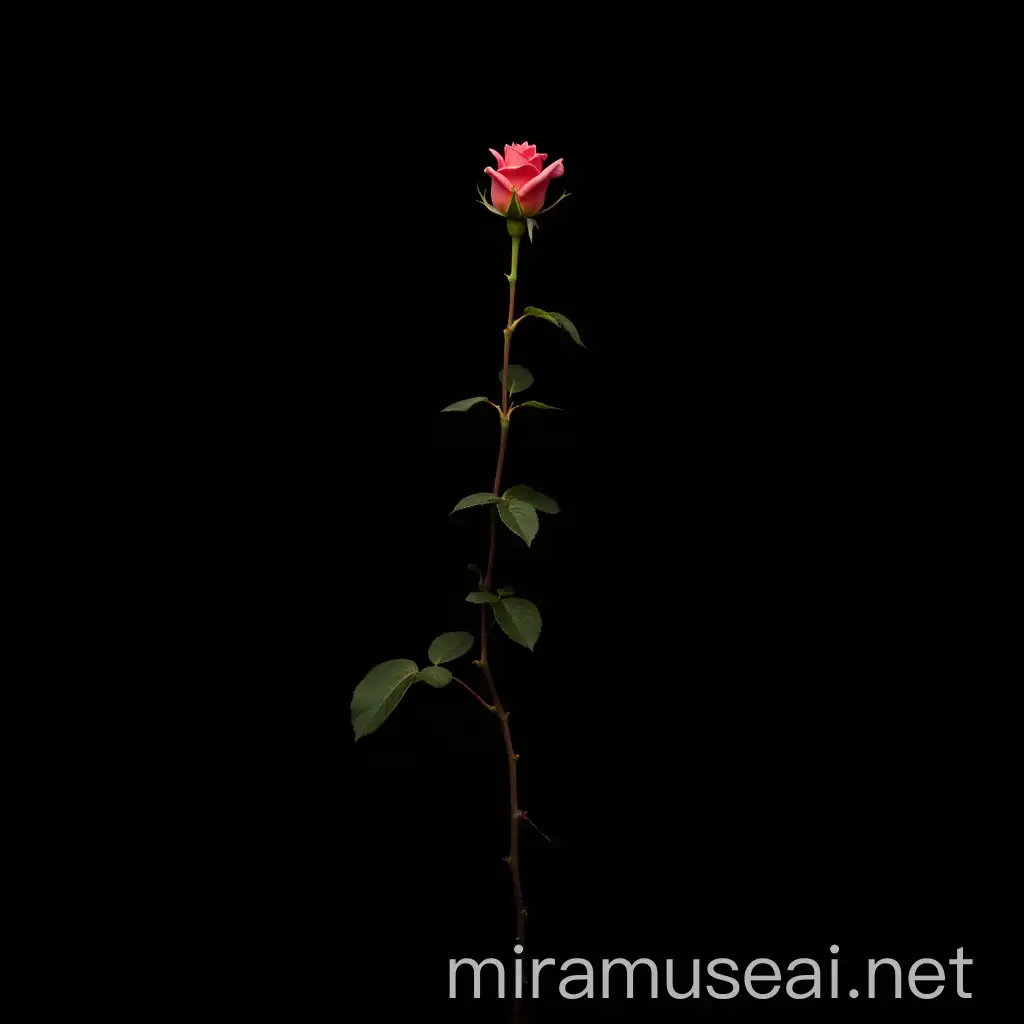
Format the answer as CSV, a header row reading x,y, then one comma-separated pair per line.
x,y
528,819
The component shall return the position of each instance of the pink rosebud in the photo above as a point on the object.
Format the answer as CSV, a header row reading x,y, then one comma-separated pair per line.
x,y
521,168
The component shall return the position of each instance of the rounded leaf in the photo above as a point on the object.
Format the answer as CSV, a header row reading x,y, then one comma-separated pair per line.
x,y
520,518
519,378
541,502
449,646
435,675
482,597
519,619
379,692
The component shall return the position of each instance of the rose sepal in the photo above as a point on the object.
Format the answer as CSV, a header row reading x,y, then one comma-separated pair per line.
x,y
483,200
564,195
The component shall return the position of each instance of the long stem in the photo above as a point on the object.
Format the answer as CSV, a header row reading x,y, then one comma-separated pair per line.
x,y
508,326
494,513
513,854
516,814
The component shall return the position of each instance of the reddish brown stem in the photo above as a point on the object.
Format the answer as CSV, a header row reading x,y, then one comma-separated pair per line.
x,y
475,694
494,513
513,854
516,814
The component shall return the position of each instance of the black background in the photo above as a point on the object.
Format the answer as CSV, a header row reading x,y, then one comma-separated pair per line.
x,y
749,725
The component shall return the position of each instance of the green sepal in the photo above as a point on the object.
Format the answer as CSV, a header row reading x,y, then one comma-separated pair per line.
x,y
515,211
564,195
483,200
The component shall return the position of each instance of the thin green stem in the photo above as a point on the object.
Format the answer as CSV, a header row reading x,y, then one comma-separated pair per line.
x,y
508,325
512,281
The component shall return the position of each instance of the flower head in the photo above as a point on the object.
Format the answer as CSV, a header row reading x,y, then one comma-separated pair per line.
x,y
521,172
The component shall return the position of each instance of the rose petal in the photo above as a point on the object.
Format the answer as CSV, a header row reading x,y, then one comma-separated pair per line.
x,y
514,157
498,157
498,176
556,170
520,175
501,189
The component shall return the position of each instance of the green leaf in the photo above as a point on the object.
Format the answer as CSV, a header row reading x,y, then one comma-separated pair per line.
x,y
519,378
558,320
520,620
379,692
538,405
505,591
449,646
534,311
435,675
541,502
521,518
480,498
466,403
482,597
566,324
530,225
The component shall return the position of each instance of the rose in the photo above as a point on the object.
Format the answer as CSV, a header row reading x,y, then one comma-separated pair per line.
x,y
521,169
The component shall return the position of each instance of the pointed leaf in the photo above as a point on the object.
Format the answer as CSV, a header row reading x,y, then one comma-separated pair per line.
x,y
480,498
505,591
519,378
520,620
449,646
435,675
520,518
534,311
482,597
541,502
538,405
464,404
530,225
566,324
379,692
558,320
